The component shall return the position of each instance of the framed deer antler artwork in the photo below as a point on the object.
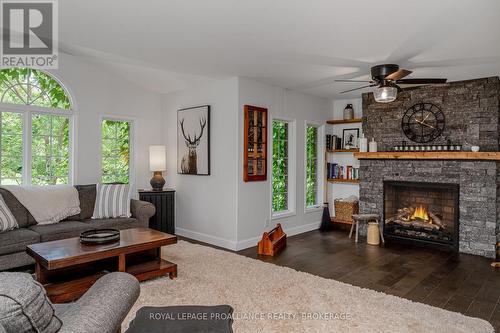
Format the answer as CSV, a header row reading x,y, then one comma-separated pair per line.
x,y
193,140
255,144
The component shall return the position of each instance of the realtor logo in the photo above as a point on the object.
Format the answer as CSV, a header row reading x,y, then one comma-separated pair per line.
x,y
29,30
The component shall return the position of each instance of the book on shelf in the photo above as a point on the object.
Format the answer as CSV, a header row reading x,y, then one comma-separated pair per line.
x,y
333,142
335,171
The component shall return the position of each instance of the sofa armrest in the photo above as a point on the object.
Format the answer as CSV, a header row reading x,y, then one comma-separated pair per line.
x,y
142,210
103,307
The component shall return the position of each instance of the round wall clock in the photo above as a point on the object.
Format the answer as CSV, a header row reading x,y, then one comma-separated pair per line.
x,y
423,122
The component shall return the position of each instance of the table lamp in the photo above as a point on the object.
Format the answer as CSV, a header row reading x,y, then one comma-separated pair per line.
x,y
157,164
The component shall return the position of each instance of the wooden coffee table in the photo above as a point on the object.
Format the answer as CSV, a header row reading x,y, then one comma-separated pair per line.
x,y
68,268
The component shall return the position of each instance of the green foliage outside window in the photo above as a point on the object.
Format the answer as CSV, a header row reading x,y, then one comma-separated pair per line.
x,y
311,165
280,166
49,150
115,151
49,135
11,143
31,87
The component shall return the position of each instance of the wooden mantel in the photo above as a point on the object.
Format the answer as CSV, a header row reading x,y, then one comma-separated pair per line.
x,y
431,155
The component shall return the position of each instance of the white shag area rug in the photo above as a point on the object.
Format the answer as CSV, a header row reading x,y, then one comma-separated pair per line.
x,y
270,298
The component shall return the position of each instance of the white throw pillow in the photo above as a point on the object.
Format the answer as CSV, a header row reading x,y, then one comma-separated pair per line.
x,y
112,201
7,220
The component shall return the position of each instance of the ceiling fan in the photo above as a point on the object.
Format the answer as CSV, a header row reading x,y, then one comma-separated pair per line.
x,y
388,78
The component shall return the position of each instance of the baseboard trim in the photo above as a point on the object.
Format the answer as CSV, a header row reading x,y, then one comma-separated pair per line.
x,y
217,241
250,242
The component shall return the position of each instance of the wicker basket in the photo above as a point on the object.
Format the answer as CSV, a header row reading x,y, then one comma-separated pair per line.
x,y
344,210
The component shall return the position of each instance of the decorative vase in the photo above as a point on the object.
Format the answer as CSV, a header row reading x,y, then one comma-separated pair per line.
x,y
348,112
363,144
372,146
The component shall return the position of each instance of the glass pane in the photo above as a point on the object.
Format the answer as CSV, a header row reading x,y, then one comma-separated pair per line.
x,y
280,166
31,87
311,165
115,148
251,167
11,143
261,166
50,150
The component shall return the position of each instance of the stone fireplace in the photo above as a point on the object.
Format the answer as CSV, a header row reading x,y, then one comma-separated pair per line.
x,y
478,197
425,213
472,111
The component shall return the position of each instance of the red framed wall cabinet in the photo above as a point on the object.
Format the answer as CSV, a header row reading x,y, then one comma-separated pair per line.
x,y
255,144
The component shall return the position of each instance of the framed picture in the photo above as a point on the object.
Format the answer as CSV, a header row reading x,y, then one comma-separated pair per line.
x,y
350,138
193,140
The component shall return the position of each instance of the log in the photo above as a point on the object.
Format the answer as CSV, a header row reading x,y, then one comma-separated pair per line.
x,y
404,213
496,264
435,220
418,224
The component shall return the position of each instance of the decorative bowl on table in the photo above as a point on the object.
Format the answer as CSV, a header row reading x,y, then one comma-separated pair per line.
x,y
99,236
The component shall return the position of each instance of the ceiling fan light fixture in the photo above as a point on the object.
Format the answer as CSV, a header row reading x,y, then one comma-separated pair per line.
x,y
385,94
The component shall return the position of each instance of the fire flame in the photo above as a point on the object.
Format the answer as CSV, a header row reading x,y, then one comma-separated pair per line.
x,y
421,213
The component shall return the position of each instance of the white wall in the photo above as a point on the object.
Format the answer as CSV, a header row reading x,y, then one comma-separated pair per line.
x,y
96,93
221,209
254,198
339,190
206,205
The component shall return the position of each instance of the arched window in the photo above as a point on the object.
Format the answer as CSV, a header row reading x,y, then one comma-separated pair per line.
x,y
28,86
36,119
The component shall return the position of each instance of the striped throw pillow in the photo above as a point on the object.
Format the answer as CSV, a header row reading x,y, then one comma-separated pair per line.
x,y
7,220
112,201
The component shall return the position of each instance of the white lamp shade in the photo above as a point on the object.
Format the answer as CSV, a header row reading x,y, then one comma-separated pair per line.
x,y
157,158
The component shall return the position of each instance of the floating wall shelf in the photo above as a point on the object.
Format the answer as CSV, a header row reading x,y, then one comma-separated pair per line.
x,y
344,121
342,150
439,155
341,180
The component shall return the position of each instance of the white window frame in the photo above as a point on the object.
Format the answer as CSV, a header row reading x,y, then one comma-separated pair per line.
x,y
292,165
131,169
320,169
27,112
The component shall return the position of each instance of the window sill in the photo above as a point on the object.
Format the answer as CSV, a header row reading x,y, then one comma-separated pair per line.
x,y
313,209
282,215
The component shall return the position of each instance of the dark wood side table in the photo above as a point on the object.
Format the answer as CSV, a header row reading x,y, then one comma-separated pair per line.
x,y
164,202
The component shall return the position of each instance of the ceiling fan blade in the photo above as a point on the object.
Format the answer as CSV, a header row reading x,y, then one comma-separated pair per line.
x,y
422,81
328,80
347,80
346,91
398,74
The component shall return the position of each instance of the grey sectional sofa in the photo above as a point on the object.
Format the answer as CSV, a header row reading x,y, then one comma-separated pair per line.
x,y
13,243
24,306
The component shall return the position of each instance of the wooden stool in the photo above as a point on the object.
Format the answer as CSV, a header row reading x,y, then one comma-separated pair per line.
x,y
365,218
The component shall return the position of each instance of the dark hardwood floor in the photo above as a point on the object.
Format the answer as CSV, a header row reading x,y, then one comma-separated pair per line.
x,y
461,283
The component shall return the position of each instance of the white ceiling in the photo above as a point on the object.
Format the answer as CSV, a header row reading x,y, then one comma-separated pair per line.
x,y
303,44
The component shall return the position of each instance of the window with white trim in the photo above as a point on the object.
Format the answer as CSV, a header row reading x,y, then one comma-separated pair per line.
x,y
35,129
115,151
311,166
283,168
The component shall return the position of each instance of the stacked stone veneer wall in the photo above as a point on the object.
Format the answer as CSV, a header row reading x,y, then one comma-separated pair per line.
x,y
471,110
472,116
478,197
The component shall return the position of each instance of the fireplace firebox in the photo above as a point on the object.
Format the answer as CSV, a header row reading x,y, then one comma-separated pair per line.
x,y
422,213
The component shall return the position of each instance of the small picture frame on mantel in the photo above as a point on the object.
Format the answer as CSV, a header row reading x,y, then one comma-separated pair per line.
x,y
350,138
